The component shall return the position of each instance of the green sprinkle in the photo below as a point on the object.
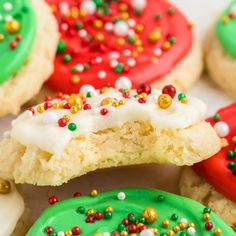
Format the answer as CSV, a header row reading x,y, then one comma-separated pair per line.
x,y
142,220
230,154
61,47
172,40
72,126
86,66
119,68
181,96
98,3
132,219
157,16
234,170
231,165
79,25
174,217
160,198
207,210
182,234
130,39
108,215
163,234
53,234
216,117
88,94
74,69
121,227
67,58
170,11
80,210
138,12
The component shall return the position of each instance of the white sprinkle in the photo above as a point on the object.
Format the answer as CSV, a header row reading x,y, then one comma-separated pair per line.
x,y
191,230
222,129
157,52
127,52
121,196
98,59
88,6
114,55
64,7
80,67
7,6
121,28
184,220
83,33
131,23
64,26
109,26
113,63
61,233
106,234
131,62
146,232
102,74
123,83
138,4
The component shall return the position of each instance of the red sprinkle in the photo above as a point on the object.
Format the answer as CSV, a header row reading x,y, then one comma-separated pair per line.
x,y
13,44
62,122
31,109
89,219
103,111
87,106
77,194
98,215
76,230
144,88
170,90
52,200
49,230
142,100
208,225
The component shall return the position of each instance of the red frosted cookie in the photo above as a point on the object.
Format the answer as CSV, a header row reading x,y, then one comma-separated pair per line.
x,y
122,43
218,184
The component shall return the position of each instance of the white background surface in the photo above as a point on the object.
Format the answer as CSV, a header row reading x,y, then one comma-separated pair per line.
x,y
202,13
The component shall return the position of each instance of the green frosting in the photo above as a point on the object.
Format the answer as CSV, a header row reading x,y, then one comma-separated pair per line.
x,y
17,33
226,29
67,214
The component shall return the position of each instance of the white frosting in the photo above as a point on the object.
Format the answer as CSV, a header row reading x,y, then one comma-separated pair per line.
x,y
48,136
11,209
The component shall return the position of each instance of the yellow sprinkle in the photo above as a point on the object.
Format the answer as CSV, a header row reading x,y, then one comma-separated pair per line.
x,y
120,41
74,12
75,79
67,118
98,24
123,7
139,28
2,37
99,37
73,110
40,109
124,15
56,106
225,19
166,45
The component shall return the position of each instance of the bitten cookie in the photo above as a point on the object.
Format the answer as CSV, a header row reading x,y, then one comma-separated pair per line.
x,y
143,212
28,41
74,134
213,182
103,41
12,210
220,47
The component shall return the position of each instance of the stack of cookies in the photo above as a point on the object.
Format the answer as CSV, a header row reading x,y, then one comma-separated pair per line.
x,y
116,77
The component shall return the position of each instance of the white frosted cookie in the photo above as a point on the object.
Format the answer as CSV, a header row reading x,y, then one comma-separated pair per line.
x,y
12,210
220,49
69,136
28,41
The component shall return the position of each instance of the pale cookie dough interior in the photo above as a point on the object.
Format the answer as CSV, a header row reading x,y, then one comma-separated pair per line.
x,y
40,151
12,208
29,79
195,187
220,65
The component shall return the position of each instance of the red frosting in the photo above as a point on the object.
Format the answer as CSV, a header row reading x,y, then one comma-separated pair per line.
x,y
215,170
174,28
